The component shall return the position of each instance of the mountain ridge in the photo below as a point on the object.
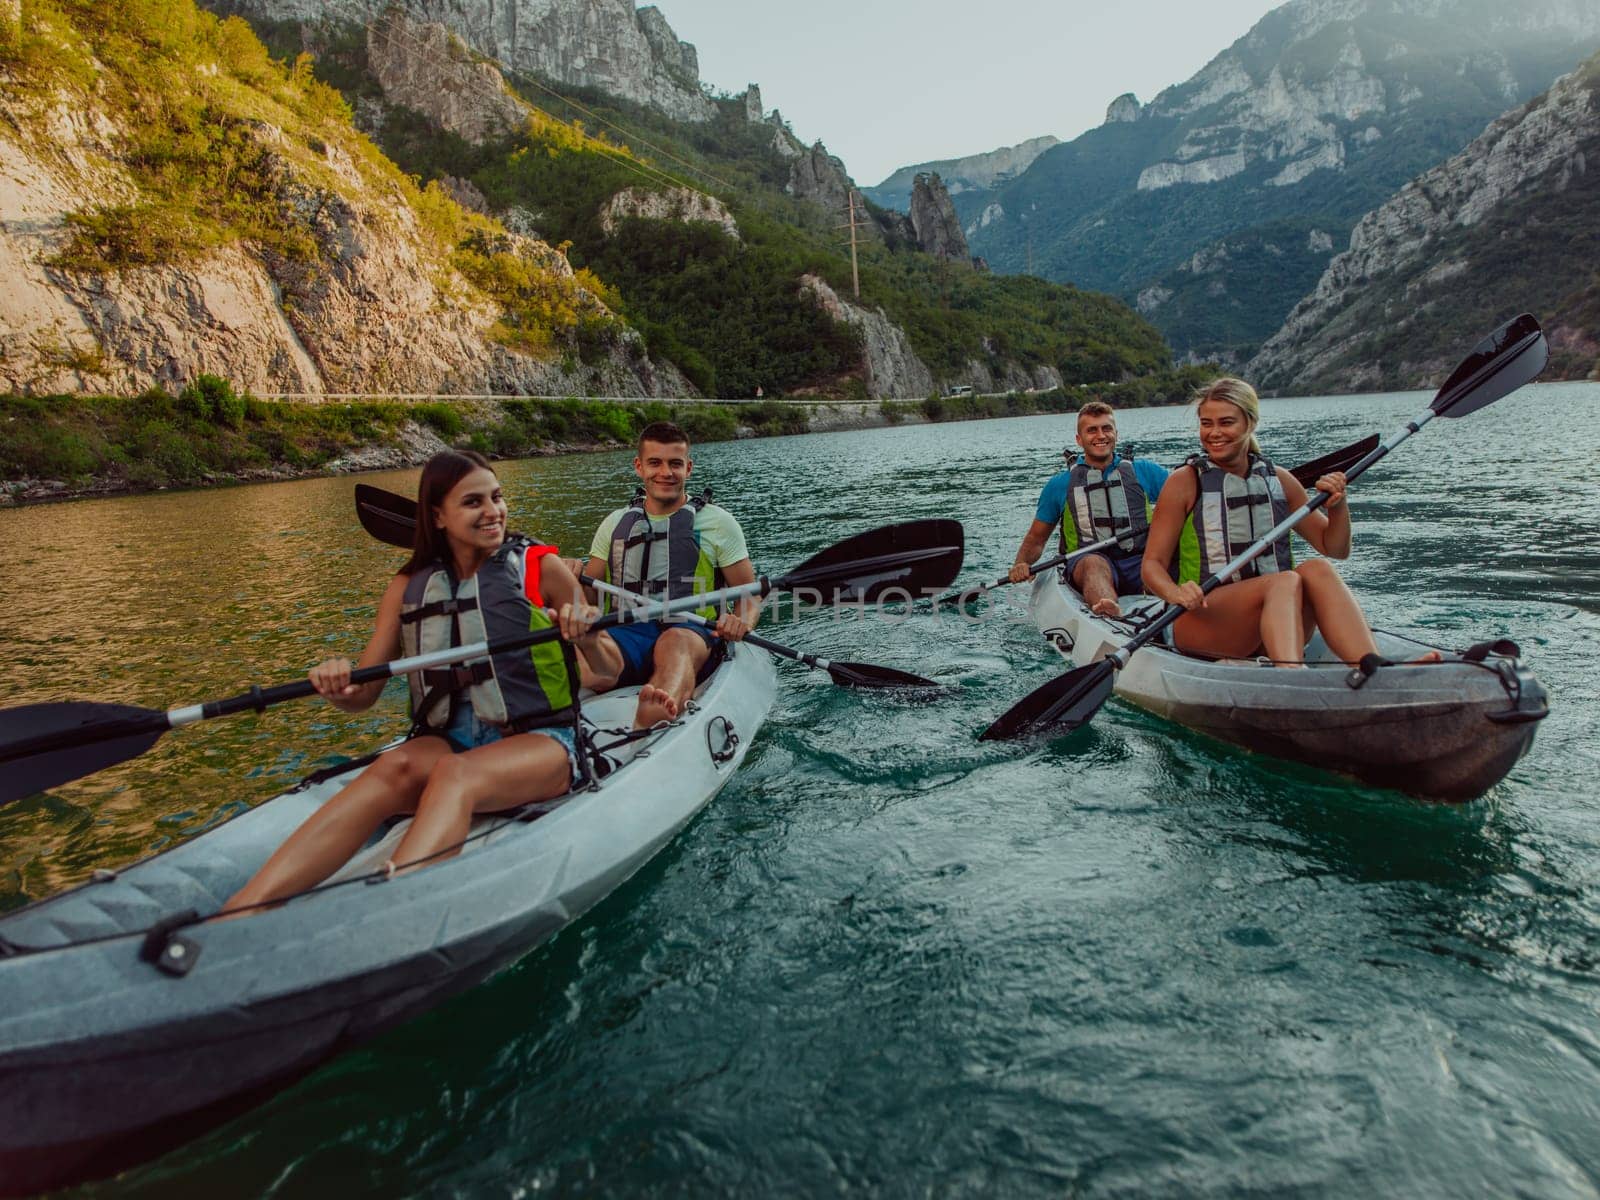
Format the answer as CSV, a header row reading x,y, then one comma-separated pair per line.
x,y
1312,118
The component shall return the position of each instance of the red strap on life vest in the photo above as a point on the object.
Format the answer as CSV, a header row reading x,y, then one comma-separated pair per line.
x,y
531,571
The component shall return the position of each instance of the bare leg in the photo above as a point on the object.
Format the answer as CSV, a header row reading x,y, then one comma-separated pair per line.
x,y
1336,612
590,678
1092,576
503,774
1242,618
679,655
332,834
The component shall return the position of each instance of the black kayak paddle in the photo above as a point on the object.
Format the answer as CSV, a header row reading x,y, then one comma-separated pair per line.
x,y
1509,357
43,745
392,518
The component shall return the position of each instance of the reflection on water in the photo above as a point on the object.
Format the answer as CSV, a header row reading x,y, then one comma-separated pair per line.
x,y
889,957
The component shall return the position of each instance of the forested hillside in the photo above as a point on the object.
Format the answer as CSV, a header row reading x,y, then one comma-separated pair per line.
x,y
1511,224
729,303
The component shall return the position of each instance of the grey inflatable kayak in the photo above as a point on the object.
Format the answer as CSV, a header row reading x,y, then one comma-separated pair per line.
x,y
1445,731
120,1038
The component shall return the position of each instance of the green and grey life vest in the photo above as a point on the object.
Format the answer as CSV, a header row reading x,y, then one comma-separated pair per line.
x,y
1102,504
514,690
1230,513
661,562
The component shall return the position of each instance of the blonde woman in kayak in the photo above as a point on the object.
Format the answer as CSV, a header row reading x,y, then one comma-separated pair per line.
x,y
1226,498
482,739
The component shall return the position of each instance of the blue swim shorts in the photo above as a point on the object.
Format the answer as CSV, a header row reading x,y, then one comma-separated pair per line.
x,y
638,646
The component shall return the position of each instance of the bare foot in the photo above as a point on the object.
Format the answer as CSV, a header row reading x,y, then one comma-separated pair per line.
x,y
1106,608
655,704
1432,656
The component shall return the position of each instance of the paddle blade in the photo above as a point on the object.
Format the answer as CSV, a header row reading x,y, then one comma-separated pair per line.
x,y
386,516
1339,460
901,561
866,675
1509,357
1064,703
43,745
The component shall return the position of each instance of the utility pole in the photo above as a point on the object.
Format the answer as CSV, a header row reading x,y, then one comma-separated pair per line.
x,y
855,270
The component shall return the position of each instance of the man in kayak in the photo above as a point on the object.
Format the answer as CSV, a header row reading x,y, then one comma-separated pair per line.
x,y
1099,496
666,544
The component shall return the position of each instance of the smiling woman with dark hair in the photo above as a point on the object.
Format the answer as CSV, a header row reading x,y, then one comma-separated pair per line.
x,y
487,735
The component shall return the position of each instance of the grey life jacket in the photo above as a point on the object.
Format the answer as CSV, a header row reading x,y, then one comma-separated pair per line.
x,y
1102,504
1231,512
661,563
514,690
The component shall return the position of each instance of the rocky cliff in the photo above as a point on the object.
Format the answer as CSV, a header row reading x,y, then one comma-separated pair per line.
x,y
604,44
1510,223
1314,117
975,172
933,217
890,368
310,266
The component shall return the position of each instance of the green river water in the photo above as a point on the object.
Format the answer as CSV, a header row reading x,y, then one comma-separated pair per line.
x,y
889,959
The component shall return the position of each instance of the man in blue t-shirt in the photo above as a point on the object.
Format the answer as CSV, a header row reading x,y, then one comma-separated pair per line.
x,y
1098,496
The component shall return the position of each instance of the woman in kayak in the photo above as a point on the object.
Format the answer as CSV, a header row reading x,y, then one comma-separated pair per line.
x,y
483,740
1229,498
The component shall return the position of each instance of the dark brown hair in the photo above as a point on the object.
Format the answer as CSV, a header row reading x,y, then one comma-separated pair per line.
x,y
440,474
664,432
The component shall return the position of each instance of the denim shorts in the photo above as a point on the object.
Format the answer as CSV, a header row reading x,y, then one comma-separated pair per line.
x,y
466,732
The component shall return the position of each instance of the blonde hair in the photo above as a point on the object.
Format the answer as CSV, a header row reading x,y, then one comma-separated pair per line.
x,y
1239,394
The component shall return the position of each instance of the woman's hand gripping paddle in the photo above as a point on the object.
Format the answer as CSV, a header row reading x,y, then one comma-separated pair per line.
x,y
1509,357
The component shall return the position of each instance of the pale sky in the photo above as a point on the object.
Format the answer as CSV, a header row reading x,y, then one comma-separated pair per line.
x,y
887,85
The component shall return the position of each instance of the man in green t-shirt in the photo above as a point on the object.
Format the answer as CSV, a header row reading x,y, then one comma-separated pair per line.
x,y
665,544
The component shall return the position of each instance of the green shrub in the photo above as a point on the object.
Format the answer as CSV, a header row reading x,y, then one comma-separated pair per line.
x,y
705,423
443,418
212,398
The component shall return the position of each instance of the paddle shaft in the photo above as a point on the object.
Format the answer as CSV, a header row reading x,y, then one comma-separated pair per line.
x,y
1317,500
983,589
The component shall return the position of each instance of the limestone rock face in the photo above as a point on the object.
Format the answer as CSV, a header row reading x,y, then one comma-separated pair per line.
x,y
1419,246
975,172
1124,108
603,44
752,105
892,368
821,178
933,216
677,204
377,309
421,66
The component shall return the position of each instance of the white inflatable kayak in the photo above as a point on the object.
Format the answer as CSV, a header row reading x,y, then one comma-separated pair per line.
x,y
1447,731
126,1028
